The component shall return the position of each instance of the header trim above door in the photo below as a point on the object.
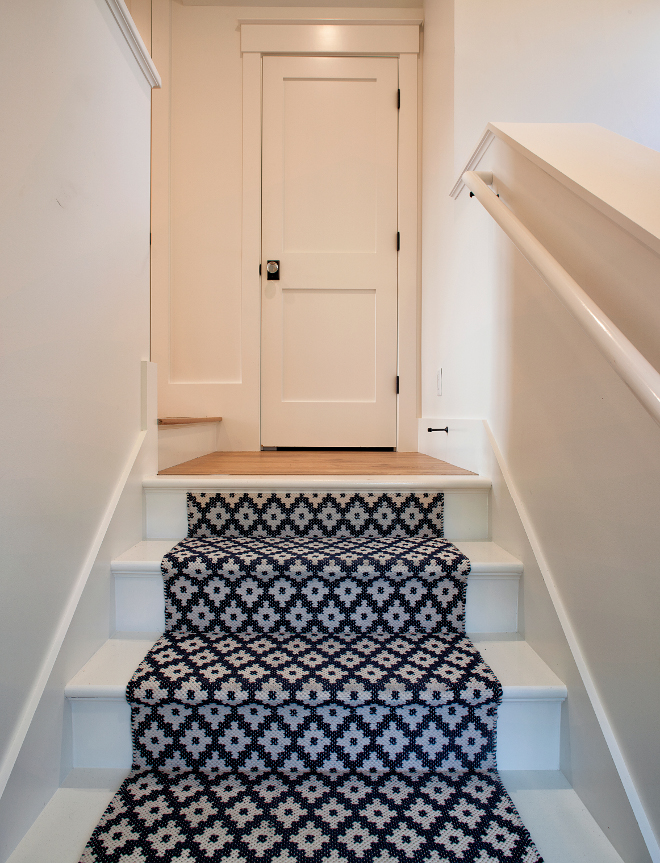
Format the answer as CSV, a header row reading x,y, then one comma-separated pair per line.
x,y
320,38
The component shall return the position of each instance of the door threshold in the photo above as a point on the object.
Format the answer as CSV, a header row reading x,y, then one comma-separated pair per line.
x,y
328,449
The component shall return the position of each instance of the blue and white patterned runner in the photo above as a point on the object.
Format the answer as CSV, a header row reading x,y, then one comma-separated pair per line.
x,y
315,698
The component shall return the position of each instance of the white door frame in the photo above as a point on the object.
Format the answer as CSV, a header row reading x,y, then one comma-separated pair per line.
x,y
377,38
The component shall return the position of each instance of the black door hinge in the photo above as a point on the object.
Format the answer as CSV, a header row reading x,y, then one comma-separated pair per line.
x,y
398,99
149,239
259,269
398,241
397,385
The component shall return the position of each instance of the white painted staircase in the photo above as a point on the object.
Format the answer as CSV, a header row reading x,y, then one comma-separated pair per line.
x,y
528,732
529,718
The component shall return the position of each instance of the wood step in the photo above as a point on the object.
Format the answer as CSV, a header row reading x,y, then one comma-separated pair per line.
x,y
328,462
187,421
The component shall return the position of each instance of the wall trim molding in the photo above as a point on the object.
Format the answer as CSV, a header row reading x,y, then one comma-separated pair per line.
x,y
408,261
318,37
479,152
30,707
408,188
574,645
130,32
382,22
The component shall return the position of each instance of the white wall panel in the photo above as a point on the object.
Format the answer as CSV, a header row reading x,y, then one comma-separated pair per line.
x,y
584,757
74,312
205,315
205,200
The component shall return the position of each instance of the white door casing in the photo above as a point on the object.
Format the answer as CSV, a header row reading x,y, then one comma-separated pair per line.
x,y
329,216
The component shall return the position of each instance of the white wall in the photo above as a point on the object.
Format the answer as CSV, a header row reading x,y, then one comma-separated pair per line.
x,y
46,755
582,452
586,61
177,444
584,456
205,313
519,61
74,241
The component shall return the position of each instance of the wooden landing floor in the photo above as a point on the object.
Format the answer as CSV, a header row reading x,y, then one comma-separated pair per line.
x,y
277,463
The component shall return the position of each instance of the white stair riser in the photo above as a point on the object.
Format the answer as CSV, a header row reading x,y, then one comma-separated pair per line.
x,y
527,733
466,514
101,731
492,603
139,603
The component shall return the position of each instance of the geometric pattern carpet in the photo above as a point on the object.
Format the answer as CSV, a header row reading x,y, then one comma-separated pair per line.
x,y
314,697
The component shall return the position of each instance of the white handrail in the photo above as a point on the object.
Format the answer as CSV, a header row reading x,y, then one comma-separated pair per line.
x,y
633,368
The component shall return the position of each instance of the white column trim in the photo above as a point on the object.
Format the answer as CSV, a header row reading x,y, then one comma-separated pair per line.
x,y
408,259
251,222
130,32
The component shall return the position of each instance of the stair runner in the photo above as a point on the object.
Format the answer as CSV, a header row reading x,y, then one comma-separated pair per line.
x,y
314,698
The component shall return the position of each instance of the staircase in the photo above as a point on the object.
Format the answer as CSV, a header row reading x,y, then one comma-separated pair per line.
x,y
529,716
528,724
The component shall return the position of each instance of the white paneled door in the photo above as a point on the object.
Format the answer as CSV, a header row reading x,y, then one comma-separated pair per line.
x,y
329,218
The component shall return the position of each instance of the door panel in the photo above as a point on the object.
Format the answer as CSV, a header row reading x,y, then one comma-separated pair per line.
x,y
329,325
330,175
315,322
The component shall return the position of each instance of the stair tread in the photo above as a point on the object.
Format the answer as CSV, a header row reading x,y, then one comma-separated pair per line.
x,y
306,462
319,481
486,558
518,667
558,821
107,672
199,667
521,671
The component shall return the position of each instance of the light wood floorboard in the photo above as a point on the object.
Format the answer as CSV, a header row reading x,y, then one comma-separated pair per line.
x,y
187,421
315,463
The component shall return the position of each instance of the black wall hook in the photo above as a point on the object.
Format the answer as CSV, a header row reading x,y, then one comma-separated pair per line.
x,y
444,429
